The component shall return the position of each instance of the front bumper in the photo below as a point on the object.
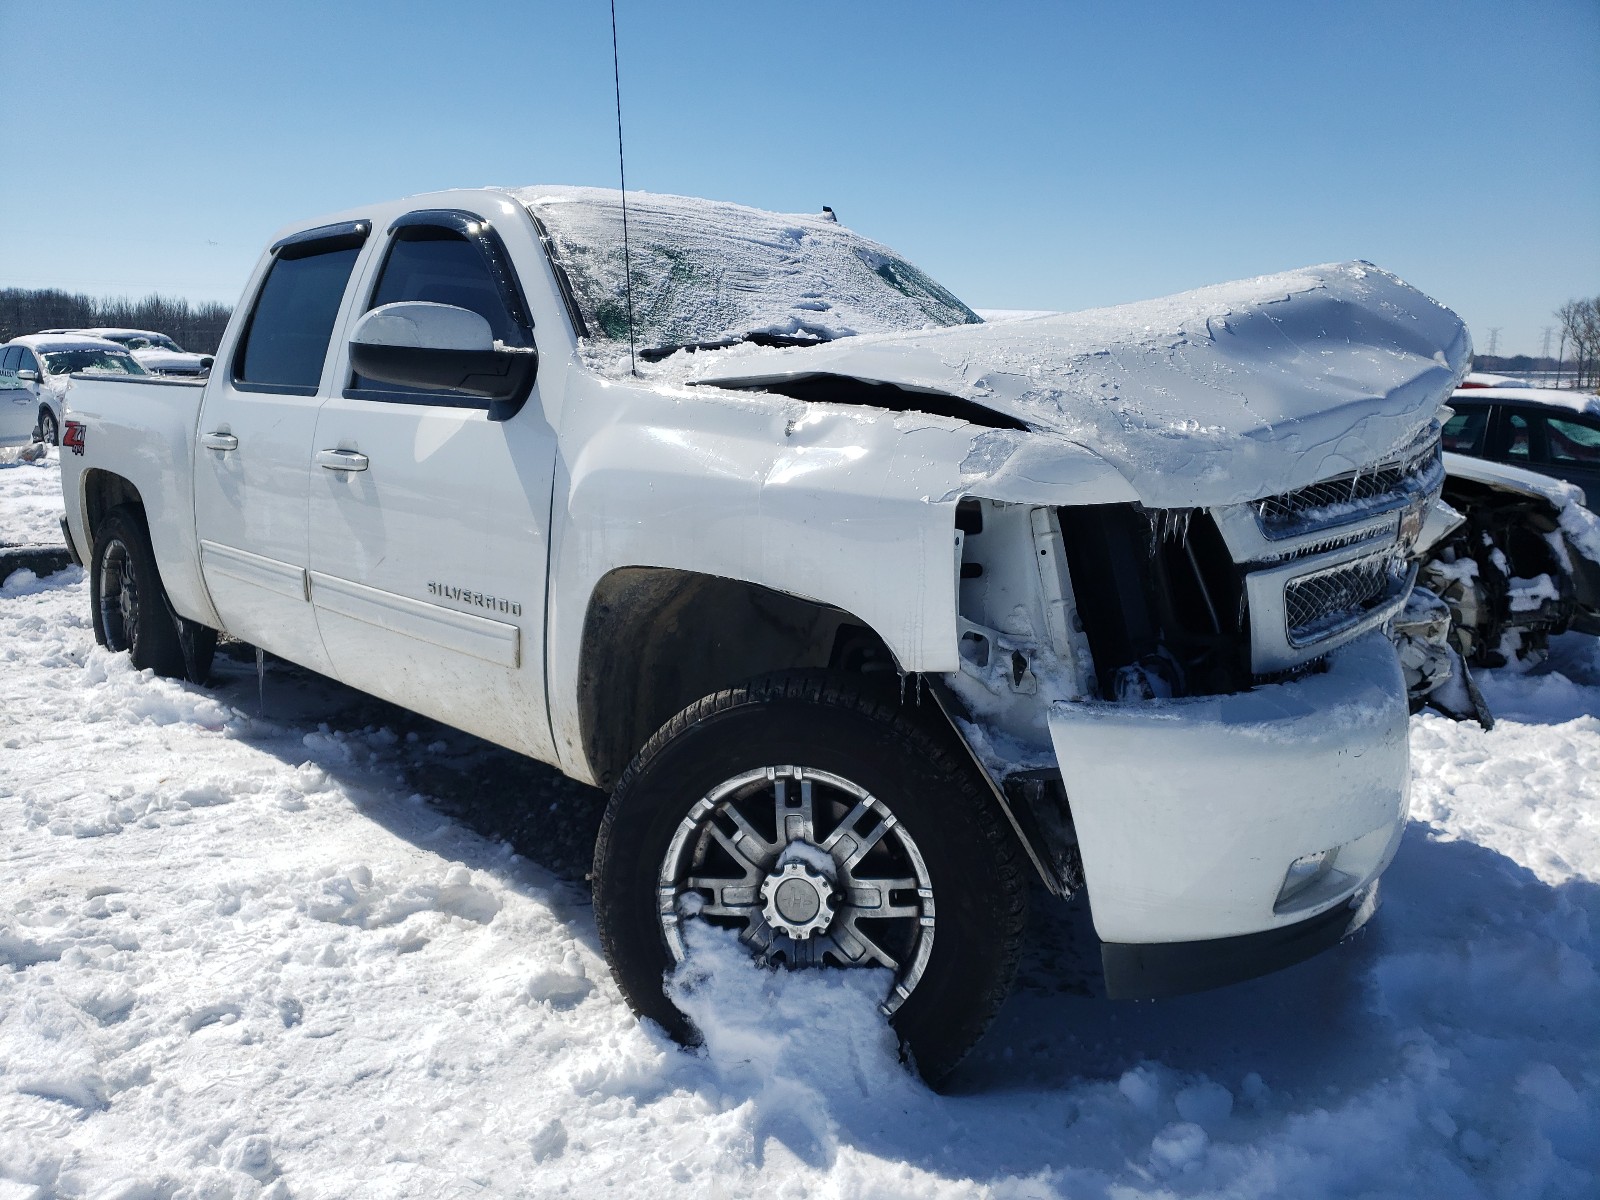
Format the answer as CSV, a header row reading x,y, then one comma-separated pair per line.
x,y
1189,813
1155,971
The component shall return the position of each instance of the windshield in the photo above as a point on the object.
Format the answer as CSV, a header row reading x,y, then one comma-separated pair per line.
x,y
707,273
113,362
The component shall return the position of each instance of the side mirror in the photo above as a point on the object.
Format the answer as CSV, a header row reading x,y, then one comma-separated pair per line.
x,y
439,347
28,375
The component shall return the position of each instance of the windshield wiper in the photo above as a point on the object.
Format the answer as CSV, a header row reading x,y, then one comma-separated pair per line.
x,y
754,337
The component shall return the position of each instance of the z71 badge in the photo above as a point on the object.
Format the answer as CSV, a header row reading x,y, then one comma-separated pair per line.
x,y
73,438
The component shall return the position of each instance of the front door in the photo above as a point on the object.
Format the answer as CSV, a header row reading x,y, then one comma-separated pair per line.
x,y
253,456
429,521
16,401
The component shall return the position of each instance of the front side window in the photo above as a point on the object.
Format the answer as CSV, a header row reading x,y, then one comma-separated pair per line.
x,y
286,341
443,266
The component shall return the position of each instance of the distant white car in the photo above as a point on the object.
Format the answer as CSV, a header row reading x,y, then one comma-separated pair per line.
x,y
156,352
36,373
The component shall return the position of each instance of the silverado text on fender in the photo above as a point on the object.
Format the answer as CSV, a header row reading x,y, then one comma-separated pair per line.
x,y
862,608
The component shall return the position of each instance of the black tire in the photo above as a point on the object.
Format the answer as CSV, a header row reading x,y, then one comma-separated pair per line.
x,y
198,645
129,604
49,431
847,728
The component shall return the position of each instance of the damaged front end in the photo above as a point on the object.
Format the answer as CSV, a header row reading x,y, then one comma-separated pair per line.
x,y
1518,568
1198,713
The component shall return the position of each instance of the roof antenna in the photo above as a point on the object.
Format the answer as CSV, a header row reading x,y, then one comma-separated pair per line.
x,y
622,175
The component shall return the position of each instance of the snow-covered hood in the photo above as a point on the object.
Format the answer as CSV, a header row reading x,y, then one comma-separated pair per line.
x,y
168,360
1214,396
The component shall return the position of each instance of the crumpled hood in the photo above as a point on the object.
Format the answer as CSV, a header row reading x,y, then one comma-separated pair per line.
x,y
1215,396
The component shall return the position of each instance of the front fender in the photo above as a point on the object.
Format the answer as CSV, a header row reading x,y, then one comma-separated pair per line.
x,y
853,508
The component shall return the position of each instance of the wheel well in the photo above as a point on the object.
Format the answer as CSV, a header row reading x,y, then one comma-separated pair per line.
x,y
102,492
655,640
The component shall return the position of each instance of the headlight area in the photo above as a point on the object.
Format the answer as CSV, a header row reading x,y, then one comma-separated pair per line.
x,y
1106,657
1111,602
1101,602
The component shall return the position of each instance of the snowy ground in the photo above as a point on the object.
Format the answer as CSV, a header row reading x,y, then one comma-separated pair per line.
x,y
295,955
30,498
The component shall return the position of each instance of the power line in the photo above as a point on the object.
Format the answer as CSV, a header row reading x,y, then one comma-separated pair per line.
x,y
1494,340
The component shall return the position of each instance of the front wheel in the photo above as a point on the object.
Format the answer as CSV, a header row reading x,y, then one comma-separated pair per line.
x,y
49,430
828,827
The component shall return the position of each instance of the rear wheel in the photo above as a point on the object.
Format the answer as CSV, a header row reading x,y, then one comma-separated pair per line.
x,y
130,604
828,827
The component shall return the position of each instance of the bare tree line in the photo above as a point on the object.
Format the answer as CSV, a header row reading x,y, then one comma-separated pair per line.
x,y
196,327
1580,329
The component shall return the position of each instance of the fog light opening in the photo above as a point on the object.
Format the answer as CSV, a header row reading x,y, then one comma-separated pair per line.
x,y
1305,873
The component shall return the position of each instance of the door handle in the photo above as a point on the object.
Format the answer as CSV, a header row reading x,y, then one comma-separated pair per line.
x,y
219,441
341,460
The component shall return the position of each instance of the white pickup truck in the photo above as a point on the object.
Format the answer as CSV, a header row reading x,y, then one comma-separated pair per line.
x,y
862,609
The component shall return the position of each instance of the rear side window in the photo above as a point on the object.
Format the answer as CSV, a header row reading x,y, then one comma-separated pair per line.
x,y
1463,433
1519,437
291,325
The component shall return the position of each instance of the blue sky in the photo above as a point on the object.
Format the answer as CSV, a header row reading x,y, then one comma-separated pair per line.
x,y
1027,155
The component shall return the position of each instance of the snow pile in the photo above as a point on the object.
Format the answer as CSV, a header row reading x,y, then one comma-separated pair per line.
x,y
243,956
707,271
31,489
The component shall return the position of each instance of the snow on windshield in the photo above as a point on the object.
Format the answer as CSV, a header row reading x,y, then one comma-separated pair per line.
x,y
711,272
62,362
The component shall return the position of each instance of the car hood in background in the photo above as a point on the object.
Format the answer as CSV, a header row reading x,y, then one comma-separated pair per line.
x,y
1215,396
166,360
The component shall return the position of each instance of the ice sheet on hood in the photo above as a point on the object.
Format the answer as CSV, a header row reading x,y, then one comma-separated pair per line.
x,y
706,271
1214,396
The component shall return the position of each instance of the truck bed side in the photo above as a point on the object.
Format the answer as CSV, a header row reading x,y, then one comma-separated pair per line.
x,y
138,446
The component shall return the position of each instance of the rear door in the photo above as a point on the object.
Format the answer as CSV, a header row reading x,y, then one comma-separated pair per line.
x,y
429,521
253,457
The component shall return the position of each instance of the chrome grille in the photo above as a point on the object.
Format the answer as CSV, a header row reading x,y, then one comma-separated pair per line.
x,y
1349,497
1318,605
